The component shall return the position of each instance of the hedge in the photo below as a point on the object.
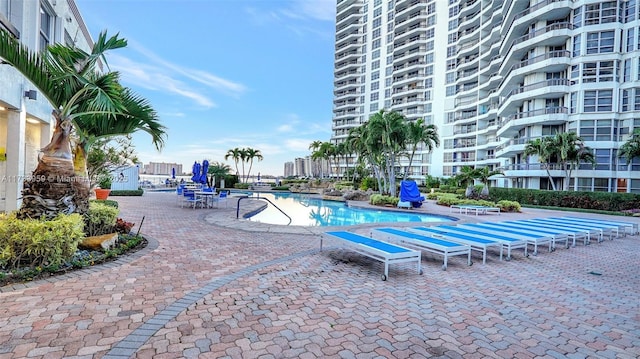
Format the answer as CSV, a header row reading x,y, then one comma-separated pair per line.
x,y
135,192
603,201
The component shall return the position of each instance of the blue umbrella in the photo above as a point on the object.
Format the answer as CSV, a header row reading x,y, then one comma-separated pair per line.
x,y
173,173
196,172
205,169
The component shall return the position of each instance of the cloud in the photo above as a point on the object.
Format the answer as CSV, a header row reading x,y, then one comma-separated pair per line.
x,y
299,16
324,10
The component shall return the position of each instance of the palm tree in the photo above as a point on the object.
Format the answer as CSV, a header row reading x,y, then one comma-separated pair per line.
x,y
250,155
88,105
465,178
388,138
418,132
544,149
236,155
571,151
631,149
313,147
483,174
217,170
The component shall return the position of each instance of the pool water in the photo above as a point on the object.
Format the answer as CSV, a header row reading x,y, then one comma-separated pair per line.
x,y
306,211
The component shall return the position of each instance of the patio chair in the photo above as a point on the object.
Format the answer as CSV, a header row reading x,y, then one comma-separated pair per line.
x,y
191,199
221,198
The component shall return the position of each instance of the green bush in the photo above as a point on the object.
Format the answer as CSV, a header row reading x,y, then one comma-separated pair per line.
x,y
100,219
381,200
130,192
241,185
107,202
369,182
602,201
38,243
509,206
433,195
280,188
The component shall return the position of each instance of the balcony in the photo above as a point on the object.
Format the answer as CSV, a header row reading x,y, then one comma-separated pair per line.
x,y
510,125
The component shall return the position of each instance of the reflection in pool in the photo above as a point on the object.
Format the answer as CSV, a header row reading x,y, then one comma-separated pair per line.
x,y
306,211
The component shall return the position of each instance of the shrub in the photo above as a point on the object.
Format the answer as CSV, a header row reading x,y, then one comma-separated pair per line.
x,y
37,242
100,219
130,192
107,202
509,206
433,195
603,201
381,200
241,185
369,182
123,227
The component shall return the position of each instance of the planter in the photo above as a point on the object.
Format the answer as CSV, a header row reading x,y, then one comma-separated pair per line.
x,y
102,193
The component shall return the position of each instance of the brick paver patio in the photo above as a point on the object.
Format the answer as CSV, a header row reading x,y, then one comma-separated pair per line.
x,y
211,286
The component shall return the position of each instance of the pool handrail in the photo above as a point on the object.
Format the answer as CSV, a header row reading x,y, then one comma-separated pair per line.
x,y
260,198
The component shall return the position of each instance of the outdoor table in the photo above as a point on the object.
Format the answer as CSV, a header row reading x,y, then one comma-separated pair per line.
x,y
208,197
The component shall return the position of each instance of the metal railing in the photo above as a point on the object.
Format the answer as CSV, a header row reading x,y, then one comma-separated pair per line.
x,y
260,198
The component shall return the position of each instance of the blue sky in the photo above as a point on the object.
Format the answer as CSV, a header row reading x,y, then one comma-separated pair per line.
x,y
225,73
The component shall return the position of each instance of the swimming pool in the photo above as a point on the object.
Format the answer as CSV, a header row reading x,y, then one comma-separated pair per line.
x,y
306,211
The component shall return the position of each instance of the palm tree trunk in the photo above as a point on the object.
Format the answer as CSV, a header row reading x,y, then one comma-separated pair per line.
x,y
55,186
553,184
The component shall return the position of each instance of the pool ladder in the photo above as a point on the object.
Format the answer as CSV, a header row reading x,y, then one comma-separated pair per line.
x,y
260,198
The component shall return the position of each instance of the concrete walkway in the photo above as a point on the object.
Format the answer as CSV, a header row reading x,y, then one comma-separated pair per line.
x,y
212,286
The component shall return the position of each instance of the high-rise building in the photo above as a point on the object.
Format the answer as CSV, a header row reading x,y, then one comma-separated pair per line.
x,y
493,75
26,123
300,167
289,169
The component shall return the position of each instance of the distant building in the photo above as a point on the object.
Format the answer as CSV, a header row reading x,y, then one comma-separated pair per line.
x,y
289,169
161,168
300,167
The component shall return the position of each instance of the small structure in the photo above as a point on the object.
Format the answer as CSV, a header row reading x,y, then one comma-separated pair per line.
x,y
125,179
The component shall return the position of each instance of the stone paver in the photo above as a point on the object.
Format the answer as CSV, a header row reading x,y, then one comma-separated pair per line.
x,y
210,285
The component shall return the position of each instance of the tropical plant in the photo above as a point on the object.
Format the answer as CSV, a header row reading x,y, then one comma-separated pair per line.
x,y
418,132
250,155
235,154
543,149
313,147
571,151
107,155
387,139
631,149
88,105
483,174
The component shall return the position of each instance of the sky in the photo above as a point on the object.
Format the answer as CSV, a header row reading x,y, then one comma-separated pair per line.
x,y
223,74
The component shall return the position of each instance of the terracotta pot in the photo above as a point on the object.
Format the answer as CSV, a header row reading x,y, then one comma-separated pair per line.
x,y
102,193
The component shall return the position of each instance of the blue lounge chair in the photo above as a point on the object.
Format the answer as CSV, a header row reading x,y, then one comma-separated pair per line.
x,y
533,236
507,242
542,229
428,244
605,229
476,243
633,227
384,252
589,231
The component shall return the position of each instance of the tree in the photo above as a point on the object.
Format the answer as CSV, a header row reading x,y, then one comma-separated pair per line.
x,y
543,148
387,138
107,155
313,147
217,170
631,149
483,174
418,132
571,151
235,154
250,155
88,105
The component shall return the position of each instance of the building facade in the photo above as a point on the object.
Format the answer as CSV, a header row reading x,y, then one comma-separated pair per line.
x,y
289,169
161,168
493,75
26,124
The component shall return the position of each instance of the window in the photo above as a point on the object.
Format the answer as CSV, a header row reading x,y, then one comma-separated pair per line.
x,y
624,100
600,42
451,51
597,71
428,58
375,96
577,41
451,90
453,24
377,22
601,184
636,99
375,65
375,54
577,17
376,33
451,64
629,10
631,41
450,77
373,107
573,102
46,28
377,12
626,73
375,85
600,13
598,100
376,44
375,75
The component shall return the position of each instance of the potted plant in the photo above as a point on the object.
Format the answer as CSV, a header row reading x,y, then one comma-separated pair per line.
x,y
102,192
